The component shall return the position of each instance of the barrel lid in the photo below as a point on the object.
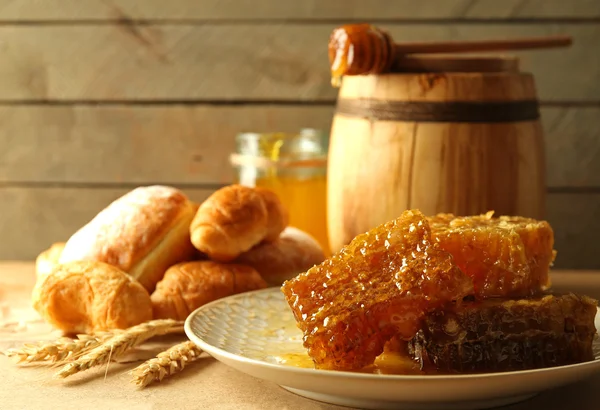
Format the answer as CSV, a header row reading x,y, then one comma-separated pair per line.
x,y
452,63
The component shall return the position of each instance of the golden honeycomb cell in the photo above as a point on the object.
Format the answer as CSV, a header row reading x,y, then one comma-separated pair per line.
x,y
378,286
505,256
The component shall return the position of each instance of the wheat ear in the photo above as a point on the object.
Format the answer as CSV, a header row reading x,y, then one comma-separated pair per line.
x,y
58,350
171,361
118,345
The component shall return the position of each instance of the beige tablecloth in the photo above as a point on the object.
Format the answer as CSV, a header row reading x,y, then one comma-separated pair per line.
x,y
206,384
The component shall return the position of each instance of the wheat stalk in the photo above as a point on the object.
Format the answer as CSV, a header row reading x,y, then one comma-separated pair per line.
x,y
171,361
118,345
58,350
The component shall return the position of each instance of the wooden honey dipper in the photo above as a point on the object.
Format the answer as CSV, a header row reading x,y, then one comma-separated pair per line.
x,y
356,49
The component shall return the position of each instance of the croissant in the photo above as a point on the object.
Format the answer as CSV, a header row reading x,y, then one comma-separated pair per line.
x,y
189,285
294,252
234,219
142,233
48,259
277,215
89,296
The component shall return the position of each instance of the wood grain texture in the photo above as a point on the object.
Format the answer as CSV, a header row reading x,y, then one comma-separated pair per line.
x,y
434,87
379,166
191,144
34,218
99,10
135,144
572,146
576,222
242,61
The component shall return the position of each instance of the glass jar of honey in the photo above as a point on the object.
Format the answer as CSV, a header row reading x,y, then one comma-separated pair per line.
x,y
294,166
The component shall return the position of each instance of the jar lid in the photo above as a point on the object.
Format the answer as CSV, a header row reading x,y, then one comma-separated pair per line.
x,y
307,148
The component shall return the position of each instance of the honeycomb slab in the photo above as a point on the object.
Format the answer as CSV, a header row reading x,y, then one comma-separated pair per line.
x,y
503,335
380,285
505,256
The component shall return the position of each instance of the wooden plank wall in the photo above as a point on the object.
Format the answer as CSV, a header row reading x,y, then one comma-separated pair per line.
x,y
99,96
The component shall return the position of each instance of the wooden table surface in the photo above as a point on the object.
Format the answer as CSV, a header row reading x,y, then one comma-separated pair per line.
x,y
206,384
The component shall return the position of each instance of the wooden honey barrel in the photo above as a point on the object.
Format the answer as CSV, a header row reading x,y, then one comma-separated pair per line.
x,y
449,135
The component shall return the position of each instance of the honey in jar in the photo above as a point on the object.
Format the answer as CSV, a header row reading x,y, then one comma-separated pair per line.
x,y
294,166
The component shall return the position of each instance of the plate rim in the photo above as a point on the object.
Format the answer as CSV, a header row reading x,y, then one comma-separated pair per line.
x,y
207,347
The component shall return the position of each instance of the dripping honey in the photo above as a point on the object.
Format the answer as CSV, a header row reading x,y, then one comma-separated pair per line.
x,y
358,49
294,167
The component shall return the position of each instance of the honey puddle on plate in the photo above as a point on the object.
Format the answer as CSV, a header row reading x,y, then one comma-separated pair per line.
x,y
387,363
278,340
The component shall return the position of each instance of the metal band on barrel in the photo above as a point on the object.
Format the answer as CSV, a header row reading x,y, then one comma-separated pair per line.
x,y
447,111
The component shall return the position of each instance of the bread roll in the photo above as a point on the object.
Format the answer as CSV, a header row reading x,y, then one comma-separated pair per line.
x,y
142,233
88,296
187,286
234,219
294,252
48,259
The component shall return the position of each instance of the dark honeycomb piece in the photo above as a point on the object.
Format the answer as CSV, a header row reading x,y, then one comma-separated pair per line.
x,y
504,335
380,285
505,256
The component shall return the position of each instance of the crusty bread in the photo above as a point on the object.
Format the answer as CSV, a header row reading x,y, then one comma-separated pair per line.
x,y
142,233
294,252
234,219
88,296
48,259
189,285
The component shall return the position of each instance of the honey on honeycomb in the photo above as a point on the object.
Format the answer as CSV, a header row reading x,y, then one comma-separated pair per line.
x,y
378,286
505,256
504,335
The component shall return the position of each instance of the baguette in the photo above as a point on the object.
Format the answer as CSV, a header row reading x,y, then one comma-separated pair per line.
x,y
142,233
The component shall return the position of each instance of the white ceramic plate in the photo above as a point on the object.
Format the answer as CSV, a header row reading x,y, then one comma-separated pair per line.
x,y
256,333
